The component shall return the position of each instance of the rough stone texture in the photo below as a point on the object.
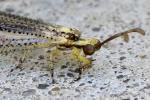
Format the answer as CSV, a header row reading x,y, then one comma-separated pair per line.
x,y
121,70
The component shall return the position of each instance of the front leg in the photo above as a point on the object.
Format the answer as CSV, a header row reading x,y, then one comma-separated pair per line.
x,y
85,62
76,54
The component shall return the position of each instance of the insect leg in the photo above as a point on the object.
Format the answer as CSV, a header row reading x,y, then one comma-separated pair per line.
x,y
25,54
22,47
51,67
51,61
76,53
85,62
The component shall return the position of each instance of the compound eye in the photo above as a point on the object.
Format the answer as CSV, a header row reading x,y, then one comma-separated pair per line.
x,y
88,49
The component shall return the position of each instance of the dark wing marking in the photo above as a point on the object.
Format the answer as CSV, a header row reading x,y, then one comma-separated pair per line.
x,y
20,19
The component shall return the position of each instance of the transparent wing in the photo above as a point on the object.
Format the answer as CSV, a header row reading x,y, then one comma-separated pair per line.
x,y
20,19
12,45
21,50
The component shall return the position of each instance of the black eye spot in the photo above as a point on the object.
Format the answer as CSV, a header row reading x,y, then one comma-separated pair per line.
x,y
30,43
14,31
25,44
53,30
19,44
19,32
62,32
76,38
9,30
71,36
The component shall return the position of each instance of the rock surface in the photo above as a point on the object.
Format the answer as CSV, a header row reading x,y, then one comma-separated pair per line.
x,y
121,71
